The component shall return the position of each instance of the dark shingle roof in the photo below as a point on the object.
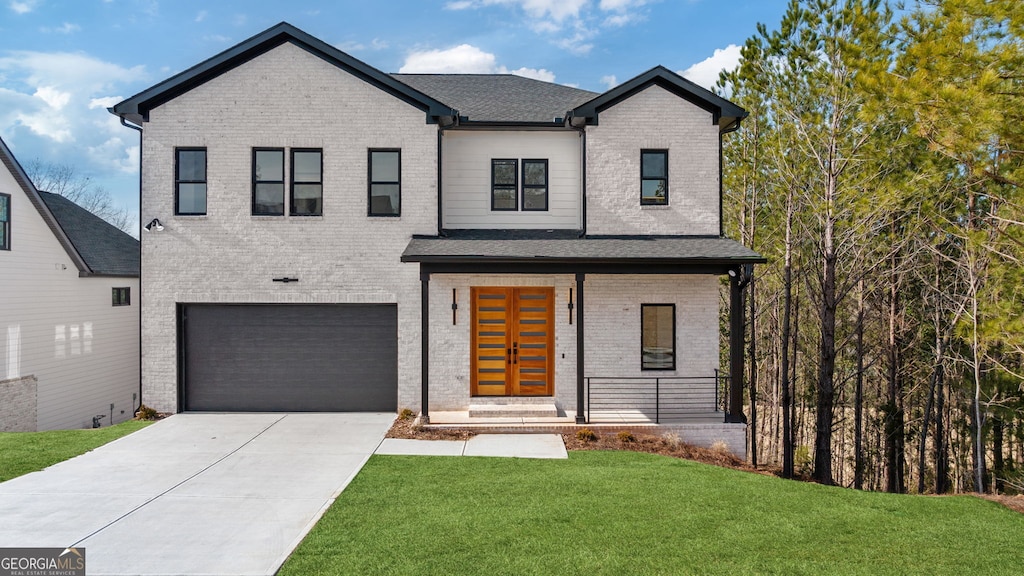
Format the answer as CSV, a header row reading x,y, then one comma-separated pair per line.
x,y
499,97
106,250
563,245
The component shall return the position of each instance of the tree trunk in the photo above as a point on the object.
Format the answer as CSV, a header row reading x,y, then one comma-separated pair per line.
x,y
858,401
827,345
997,455
894,450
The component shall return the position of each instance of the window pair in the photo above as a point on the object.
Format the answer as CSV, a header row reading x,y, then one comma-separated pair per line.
x,y
307,190
505,185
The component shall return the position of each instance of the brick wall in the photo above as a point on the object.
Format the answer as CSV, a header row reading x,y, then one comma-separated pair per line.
x,y
612,330
653,118
284,98
18,404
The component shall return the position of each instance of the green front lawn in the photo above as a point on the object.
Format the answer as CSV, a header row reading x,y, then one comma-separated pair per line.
x,y
630,513
24,452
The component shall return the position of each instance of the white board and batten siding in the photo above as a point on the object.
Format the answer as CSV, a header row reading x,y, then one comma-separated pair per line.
x,y
60,330
466,175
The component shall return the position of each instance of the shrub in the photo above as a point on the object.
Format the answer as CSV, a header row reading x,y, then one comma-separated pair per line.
x,y
626,437
672,439
145,413
586,435
720,446
406,414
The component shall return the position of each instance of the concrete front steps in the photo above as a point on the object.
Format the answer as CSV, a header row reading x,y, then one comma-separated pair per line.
x,y
548,410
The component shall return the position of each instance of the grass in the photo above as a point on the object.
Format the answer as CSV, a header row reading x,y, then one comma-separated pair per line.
x,y
24,452
630,513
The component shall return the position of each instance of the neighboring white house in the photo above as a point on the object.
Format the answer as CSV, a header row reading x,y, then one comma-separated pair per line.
x,y
337,238
69,316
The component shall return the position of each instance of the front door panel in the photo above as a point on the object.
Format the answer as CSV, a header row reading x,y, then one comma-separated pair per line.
x,y
512,344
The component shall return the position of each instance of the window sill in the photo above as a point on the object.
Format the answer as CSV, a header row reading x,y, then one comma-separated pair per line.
x,y
655,207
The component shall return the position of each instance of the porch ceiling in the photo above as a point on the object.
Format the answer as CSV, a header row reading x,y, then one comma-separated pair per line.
x,y
706,254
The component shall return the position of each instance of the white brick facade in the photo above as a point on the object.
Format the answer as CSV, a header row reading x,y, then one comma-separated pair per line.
x,y
285,98
612,316
290,98
653,119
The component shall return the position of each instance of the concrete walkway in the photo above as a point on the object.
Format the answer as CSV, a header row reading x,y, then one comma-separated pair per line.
x,y
228,494
500,445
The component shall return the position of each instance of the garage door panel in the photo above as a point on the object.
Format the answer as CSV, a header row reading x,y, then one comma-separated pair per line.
x,y
290,358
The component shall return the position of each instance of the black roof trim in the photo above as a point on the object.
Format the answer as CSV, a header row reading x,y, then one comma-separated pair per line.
x,y
726,114
136,109
21,177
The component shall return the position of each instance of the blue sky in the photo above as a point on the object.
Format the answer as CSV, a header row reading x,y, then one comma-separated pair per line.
x,y
62,63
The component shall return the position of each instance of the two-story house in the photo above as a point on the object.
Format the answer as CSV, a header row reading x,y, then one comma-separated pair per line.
x,y
335,238
69,314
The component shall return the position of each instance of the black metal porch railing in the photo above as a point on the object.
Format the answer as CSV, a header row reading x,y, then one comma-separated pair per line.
x,y
656,398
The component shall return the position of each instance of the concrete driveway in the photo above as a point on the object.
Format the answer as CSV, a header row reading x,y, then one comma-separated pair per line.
x,y
194,493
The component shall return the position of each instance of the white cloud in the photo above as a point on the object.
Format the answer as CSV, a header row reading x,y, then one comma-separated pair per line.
x,y
201,16
466,59
608,5
705,72
355,46
462,59
23,6
66,28
217,38
558,10
61,98
609,81
535,73
54,98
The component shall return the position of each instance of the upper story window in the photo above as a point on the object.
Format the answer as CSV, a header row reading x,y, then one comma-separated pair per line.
x,y
654,177
190,181
5,221
268,181
535,185
120,296
658,336
385,182
504,184
307,182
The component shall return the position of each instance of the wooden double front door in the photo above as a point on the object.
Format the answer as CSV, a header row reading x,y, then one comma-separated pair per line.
x,y
512,346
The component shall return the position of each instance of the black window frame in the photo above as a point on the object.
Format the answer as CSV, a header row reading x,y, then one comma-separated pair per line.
x,y
291,189
514,187
675,322
178,181
663,152
370,182
545,186
121,296
256,181
5,232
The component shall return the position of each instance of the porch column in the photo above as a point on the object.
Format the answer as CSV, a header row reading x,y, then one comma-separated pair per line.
x,y
736,324
580,414
424,346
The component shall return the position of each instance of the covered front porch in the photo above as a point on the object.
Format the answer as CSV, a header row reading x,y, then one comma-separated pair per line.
x,y
611,299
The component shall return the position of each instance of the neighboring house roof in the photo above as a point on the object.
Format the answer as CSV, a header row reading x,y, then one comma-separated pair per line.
x,y
136,109
96,247
500,97
107,250
726,114
564,247
483,98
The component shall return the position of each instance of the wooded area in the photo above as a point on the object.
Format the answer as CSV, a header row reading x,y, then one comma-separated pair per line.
x,y
881,172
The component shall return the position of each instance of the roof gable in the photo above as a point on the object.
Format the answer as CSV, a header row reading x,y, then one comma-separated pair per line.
x,y
136,109
726,114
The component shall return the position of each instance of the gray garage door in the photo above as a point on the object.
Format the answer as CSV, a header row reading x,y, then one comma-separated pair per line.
x,y
290,358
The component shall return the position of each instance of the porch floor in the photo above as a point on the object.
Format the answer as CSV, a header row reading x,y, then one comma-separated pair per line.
x,y
604,417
